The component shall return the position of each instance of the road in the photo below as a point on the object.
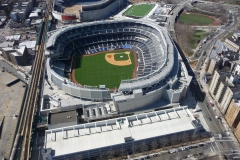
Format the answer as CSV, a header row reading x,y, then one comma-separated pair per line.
x,y
214,124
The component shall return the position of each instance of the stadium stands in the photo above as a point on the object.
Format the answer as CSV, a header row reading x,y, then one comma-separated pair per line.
x,y
155,52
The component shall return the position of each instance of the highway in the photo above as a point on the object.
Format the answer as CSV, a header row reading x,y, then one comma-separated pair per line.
x,y
21,149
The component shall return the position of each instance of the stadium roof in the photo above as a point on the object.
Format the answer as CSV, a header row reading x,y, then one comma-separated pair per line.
x,y
114,131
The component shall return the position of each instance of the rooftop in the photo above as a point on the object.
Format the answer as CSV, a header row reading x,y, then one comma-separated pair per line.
x,y
28,44
63,117
114,131
6,44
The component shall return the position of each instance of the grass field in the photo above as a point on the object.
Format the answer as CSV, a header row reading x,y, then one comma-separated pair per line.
x,y
197,37
195,19
139,10
95,70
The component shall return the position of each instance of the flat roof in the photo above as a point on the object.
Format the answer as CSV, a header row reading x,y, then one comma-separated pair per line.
x,y
63,117
114,131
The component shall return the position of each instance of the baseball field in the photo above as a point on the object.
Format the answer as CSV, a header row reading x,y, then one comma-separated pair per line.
x,y
139,10
196,19
104,68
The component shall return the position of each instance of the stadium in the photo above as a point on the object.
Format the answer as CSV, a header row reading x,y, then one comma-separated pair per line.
x,y
133,63
85,10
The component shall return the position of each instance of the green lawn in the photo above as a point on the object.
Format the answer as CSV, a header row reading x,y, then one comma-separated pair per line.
x,y
120,57
197,37
95,70
139,10
195,19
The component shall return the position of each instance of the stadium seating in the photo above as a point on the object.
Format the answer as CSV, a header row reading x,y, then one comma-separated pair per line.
x,y
145,40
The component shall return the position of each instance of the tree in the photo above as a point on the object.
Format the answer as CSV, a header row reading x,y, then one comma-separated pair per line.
x,y
174,139
163,142
154,145
185,137
144,148
135,148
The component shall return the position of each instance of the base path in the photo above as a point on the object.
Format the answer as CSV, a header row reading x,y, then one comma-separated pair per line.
x,y
109,57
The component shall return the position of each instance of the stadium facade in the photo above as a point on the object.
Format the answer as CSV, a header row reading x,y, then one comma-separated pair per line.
x,y
161,74
88,11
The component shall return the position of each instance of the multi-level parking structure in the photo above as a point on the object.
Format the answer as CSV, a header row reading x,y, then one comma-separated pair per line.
x,y
159,64
89,11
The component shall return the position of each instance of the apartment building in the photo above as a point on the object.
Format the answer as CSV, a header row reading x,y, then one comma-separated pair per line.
x,y
223,87
237,132
212,66
233,42
233,113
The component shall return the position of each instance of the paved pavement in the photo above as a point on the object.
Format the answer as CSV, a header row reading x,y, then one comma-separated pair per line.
x,y
10,104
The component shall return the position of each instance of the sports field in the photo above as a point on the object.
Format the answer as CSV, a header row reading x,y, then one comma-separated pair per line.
x,y
195,19
139,10
105,68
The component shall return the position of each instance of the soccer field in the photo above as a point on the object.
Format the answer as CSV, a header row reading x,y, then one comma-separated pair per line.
x,y
195,19
95,70
139,10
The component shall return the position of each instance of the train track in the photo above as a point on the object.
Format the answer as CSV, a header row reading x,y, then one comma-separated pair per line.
x,y
23,137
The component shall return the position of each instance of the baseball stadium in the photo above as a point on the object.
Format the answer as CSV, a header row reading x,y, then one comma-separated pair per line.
x,y
131,62
65,10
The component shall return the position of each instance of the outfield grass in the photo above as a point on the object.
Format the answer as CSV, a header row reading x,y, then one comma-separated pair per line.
x,y
120,57
139,10
95,70
195,19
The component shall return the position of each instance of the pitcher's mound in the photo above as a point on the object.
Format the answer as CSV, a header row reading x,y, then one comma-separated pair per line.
x,y
109,56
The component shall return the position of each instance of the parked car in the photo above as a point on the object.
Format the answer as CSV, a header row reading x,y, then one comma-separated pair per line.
x,y
172,151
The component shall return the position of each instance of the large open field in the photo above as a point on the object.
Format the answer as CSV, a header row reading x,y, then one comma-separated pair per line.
x,y
139,10
95,69
196,19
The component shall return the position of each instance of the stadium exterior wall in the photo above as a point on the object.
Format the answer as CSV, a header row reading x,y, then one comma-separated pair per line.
x,y
100,13
62,16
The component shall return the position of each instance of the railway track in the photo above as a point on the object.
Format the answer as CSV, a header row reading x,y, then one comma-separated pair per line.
x,y
23,137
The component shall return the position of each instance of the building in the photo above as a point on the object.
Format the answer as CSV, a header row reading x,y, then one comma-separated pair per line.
x,y
164,79
7,44
91,140
236,69
62,119
17,56
237,132
223,87
212,66
233,43
21,10
87,11
233,113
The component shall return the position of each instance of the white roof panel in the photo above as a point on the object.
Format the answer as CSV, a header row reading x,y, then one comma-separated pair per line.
x,y
116,130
